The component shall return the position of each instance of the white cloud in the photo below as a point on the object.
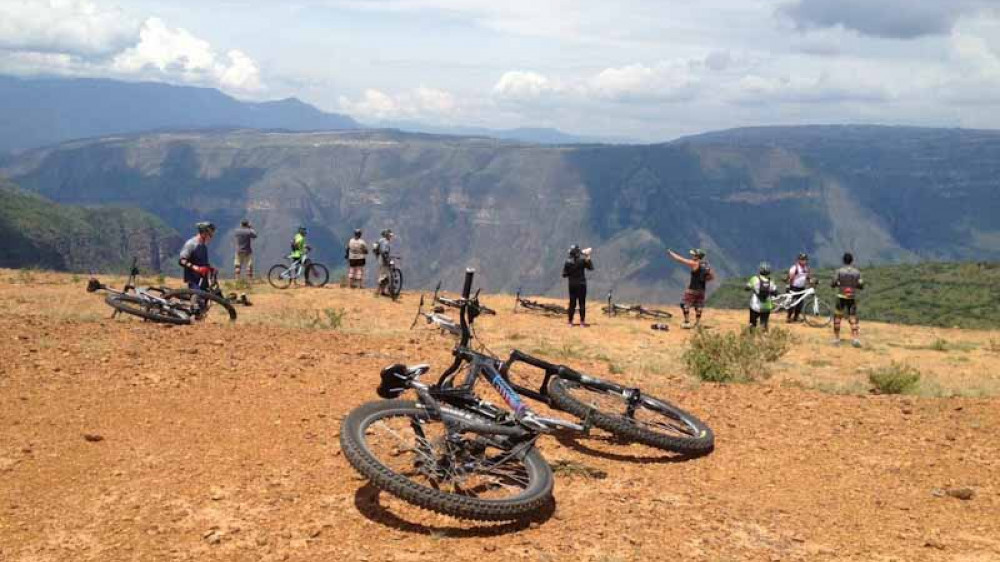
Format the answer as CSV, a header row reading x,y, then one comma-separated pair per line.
x,y
179,54
64,26
671,81
420,103
519,85
78,38
825,88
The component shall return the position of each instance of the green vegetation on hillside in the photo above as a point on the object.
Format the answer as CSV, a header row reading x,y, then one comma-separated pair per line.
x,y
39,233
966,295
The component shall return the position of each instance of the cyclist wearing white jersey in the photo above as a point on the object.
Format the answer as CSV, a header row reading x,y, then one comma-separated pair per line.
x,y
799,277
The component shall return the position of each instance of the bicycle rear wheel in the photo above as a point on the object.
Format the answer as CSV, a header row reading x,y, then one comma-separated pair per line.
x,y
201,306
817,313
137,306
643,418
395,283
279,276
317,275
402,451
655,313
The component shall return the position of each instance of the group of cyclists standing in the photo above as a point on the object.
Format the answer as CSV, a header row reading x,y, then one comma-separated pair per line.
x,y
847,279
194,255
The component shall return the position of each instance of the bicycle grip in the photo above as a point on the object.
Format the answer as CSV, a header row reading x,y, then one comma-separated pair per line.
x,y
467,289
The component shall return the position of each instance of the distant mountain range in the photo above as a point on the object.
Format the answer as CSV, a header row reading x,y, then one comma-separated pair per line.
x,y
889,194
43,111
38,112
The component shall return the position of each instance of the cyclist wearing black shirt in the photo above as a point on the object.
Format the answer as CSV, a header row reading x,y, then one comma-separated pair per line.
x,y
194,257
694,295
847,280
574,270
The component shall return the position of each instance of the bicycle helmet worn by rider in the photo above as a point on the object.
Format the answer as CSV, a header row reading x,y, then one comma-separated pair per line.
x,y
804,256
302,229
764,268
357,232
205,227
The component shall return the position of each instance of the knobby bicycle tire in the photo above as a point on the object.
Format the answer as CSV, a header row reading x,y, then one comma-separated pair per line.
x,y
395,283
679,431
275,276
317,275
137,306
190,295
354,443
655,313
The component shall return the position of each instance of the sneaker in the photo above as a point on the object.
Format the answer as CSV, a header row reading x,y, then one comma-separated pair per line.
x,y
836,342
687,325
856,342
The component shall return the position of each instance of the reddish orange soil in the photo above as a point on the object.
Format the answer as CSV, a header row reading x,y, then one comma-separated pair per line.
x,y
220,442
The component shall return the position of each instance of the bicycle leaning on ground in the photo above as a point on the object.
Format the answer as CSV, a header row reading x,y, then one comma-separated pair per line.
x,y
816,312
165,305
452,452
315,274
535,306
614,309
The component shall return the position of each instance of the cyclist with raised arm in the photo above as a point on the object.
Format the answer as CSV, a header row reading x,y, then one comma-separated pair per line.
x,y
799,277
848,282
762,291
355,253
575,272
383,252
694,295
194,257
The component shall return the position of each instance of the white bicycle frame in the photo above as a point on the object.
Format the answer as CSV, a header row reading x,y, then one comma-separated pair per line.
x,y
296,269
791,299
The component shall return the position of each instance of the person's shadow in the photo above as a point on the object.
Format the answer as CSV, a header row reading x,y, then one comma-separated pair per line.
x,y
367,501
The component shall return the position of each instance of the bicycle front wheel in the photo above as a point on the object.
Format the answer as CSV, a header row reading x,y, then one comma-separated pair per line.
x,y
317,275
655,313
201,305
137,306
402,451
817,313
279,276
646,420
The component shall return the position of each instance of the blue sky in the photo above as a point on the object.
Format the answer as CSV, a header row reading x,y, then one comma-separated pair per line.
x,y
650,70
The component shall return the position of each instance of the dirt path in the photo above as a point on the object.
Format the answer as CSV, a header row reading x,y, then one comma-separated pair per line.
x,y
220,443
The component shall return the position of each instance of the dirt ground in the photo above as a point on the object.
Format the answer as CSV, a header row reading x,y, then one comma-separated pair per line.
x,y
125,440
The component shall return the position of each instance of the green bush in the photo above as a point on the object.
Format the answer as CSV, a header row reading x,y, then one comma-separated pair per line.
x,y
896,378
733,357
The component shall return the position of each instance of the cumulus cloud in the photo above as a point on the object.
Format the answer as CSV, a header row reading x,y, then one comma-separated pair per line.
x,y
64,26
519,85
78,38
422,102
895,19
637,82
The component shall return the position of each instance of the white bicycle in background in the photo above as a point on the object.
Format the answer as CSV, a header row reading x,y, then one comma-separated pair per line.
x,y
816,313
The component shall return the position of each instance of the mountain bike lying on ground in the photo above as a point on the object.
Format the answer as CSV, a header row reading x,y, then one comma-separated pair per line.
x,y
536,306
614,309
452,452
315,274
816,312
436,317
165,305
457,303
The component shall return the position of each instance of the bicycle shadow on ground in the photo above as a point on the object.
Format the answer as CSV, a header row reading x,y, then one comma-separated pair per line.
x,y
367,501
604,445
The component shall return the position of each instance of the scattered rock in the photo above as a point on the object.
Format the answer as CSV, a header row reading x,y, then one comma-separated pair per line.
x,y
217,494
964,493
93,437
213,537
218,343
934,543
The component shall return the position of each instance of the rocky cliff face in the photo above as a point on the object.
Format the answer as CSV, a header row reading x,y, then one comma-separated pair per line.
x,y
39,233
511,210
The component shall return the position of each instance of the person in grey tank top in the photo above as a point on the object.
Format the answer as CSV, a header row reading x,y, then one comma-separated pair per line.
x,y
243,237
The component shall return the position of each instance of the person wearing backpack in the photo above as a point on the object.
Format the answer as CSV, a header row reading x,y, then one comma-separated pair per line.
x,y
762,292
694,295
848,283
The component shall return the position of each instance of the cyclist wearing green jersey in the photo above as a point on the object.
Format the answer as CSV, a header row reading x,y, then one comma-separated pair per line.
x,y
299,246
848,282
762,291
